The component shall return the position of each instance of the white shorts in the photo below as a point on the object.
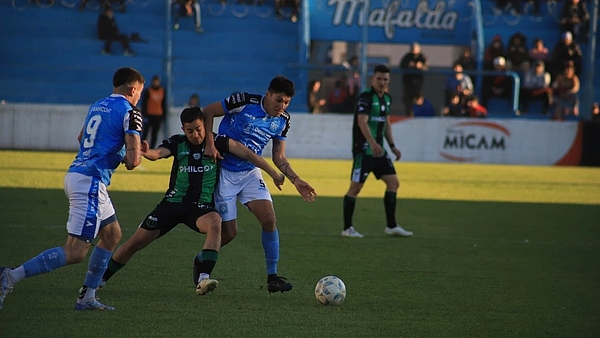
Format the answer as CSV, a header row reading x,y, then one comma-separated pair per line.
x,y
245,186
90,207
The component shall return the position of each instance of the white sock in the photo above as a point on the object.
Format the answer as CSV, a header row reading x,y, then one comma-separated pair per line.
x,y
17,274
203,276
89,295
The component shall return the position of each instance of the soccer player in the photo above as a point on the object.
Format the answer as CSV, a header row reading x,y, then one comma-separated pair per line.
x,y
190,196
254,120
371,125
110,136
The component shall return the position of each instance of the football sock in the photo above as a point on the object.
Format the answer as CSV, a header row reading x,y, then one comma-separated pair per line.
x,y
349,203
17,274
45,262
389,202
270,243
96,267
208,260
113,267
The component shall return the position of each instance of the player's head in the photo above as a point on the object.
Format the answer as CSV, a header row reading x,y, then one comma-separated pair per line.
x,y
129,83
381,78
192,124
279,95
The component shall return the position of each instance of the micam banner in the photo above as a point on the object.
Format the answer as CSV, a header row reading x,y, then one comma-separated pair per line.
x,y
441,22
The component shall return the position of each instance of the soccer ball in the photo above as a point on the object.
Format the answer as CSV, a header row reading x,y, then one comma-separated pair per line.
x,y
330,290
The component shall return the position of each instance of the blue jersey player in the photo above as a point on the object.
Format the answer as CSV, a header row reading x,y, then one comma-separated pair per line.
x,y
110,136
254,120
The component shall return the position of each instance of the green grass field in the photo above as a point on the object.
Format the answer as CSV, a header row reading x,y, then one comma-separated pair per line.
x,y
498,251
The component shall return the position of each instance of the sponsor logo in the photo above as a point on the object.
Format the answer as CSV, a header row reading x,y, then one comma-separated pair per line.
x,y
196,169
475,139
100,109
378,119
254,101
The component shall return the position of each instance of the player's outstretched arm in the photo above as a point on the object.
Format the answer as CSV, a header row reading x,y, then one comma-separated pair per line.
x,y
154,154
210,111
239,150
307,192
133,155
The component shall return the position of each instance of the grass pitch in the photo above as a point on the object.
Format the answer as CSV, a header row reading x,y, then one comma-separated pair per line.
x,y
498,251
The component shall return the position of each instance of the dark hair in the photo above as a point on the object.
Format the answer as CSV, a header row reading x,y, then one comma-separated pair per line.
x,y
155,77
191,114
281,84
381,69
127,76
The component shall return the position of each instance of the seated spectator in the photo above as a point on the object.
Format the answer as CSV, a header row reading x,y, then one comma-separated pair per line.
x,y
466,59
314,100
293,4
183,8
575,18
474,108
596,112
459,83
516,53
193,101
539,52
566,88
497,86
564,51
455,108
536,86
492,51
422,107
337,98
109,31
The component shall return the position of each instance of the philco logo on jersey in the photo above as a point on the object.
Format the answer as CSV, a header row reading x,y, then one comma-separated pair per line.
x,y
378,118
196,169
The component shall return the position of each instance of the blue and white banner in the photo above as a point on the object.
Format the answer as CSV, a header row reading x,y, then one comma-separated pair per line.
x,y
439,22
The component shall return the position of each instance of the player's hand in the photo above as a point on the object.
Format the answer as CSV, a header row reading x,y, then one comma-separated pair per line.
x,y
279,181
377,150
397,152
307,192
144,147
211,151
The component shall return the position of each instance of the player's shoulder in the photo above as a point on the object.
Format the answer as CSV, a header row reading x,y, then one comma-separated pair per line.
x,y
239,99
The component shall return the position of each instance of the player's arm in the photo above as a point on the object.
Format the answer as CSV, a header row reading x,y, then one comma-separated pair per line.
x,y
240,150
390,138
80,137
362,121
154,154
307,192
210,112
133,155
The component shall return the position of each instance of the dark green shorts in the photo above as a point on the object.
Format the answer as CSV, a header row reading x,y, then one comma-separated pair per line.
x,y
167,215
365,164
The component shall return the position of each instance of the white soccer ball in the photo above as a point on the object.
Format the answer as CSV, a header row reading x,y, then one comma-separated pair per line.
x,y
330,290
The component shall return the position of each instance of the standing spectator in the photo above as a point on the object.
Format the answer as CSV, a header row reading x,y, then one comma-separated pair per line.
x,y
193,101
422,107
352,83
336,100
370,128
536,86
566,87
564,51
474,108
458,83
539,52
574,18
455,108
109,31
492,51
293,4
466,60
154,109
314,100
183,8
516,53
415,63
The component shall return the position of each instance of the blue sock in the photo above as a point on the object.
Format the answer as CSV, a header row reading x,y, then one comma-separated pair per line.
x,y
45,262
270,242
97,266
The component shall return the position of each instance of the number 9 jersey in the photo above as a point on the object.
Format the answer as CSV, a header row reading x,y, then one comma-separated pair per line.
x,y
102,146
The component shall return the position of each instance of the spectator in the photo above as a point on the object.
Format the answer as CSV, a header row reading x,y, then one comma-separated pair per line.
x,y
516,53
415,62
422,107
293,4
575,18
314,100
536,86
474,108
104,4
183,8
466,60
564,51
353,82
193,101
109,31
154,109
455,108
337,98
566,87
595,112
459,83
514,5
492,51
539,52
498,86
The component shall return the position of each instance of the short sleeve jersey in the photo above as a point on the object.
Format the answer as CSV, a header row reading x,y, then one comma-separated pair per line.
x,y
102,146
247,121
377,108
194,177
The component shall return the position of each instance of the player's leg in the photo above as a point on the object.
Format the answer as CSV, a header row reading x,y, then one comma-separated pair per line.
x,y
226,204
358,176
155,122
229,230
384,170
204,263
